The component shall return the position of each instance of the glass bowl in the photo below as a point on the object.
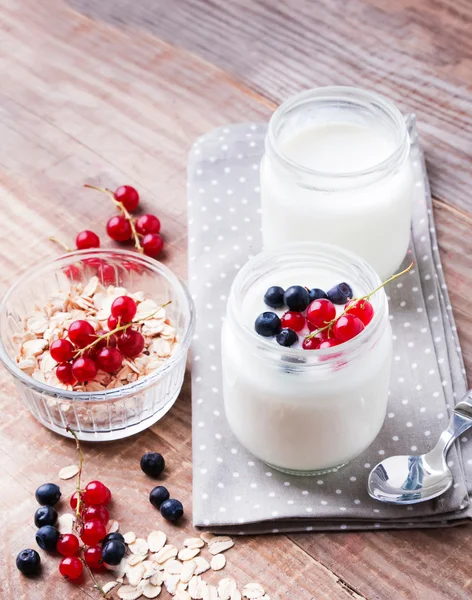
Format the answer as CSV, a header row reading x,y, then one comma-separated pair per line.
x,y
109,414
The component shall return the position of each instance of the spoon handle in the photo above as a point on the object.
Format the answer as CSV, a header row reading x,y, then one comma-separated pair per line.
x,y
461,420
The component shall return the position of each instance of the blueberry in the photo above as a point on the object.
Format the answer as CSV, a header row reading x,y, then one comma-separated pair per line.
x,y
114,536
48,493
158,495
297,298
45,515
274,297
316,294
46,537
267,324
340,294
28,562
287,337
113,552
152,463
172,510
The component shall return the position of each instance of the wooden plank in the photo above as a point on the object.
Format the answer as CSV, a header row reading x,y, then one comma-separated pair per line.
x,y
417,52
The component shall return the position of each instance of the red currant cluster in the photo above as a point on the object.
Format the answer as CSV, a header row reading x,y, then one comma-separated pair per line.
x,y
86,350
95,516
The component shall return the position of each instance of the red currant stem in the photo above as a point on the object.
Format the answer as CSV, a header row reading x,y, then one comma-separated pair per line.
x,y
366,297
106,336
56,241
125,212
95,582
79,475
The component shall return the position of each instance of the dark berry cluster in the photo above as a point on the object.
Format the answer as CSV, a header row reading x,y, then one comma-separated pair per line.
x,y
85,351
152,463
313,311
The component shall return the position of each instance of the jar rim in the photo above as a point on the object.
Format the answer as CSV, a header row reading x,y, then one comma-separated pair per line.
x,y
338,94
299,356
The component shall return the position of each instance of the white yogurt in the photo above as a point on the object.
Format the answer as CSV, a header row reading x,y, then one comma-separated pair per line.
x,y
337,170
312,416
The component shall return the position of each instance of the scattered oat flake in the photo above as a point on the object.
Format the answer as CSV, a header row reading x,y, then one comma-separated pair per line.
x,y
112,526
171,582
139,546
130,537
107,587
218,562
129,592
68,472
149,569
188,553
135,559
157,578
253,591
206,536
202,565
210,593
194,543
188,570
151,591
168,551
182,595
226,587
220,543
156,540
173,567
196,587
66,523
135,574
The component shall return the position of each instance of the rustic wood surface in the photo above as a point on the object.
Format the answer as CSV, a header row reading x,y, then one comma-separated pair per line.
x,y
114,92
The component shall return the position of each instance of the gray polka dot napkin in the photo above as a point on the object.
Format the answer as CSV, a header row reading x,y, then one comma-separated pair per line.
x,y
233,491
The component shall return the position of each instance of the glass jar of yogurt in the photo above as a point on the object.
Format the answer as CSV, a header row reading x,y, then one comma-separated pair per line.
x,y
304,411
337,169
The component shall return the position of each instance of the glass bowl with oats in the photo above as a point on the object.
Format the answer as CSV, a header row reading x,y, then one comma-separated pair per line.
x,y
129,395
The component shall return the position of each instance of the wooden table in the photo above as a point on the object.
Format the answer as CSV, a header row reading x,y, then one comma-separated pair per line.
x,y
114,92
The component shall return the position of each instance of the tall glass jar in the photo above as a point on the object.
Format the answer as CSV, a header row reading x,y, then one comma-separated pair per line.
x,y
300,411
337,169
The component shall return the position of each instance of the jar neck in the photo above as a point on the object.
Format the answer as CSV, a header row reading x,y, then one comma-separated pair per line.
x,y
352,105
356,272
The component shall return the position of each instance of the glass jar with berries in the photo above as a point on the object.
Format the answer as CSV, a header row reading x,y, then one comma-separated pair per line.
x,y
306,355
337,169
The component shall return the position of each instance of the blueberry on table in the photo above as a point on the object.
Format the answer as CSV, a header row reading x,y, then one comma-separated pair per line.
x,y
114,535
267,324
316,294
28,562
274,297
158,495
172,510
287,337
341,293
45,515
113,552
48,493
297,298
152,463
47,537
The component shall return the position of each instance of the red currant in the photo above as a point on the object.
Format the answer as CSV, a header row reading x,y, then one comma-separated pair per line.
x,y
311,343
131,343
131,266
293,320
64,374
81,333
109,359
95,493
71,567
152,244
107,274
328,344
93,557
107,500
105,342
61,350
124,307
347,327
128,196
97,512
87,239
73,272
73,500
320,312
148,224
67,544
119,229
362,309
113,323
93,262
93,532
84,369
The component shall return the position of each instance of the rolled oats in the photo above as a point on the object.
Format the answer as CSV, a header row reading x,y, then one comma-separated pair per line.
x,y
68,472
188,553
194,543
129,592
253,591
139,546
220,543
218,562
226,587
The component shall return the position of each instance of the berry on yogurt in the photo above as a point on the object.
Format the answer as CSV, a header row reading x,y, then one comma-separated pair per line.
x,y
340,294
268,324
297,298
274,297
287,337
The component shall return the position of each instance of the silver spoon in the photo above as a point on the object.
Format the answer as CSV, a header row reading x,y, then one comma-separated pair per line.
x,y
413,479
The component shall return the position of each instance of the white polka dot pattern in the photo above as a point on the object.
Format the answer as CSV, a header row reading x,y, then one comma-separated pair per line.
x,y
230,485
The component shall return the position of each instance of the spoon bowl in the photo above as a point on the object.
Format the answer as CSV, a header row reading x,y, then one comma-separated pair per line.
x,y
411,479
